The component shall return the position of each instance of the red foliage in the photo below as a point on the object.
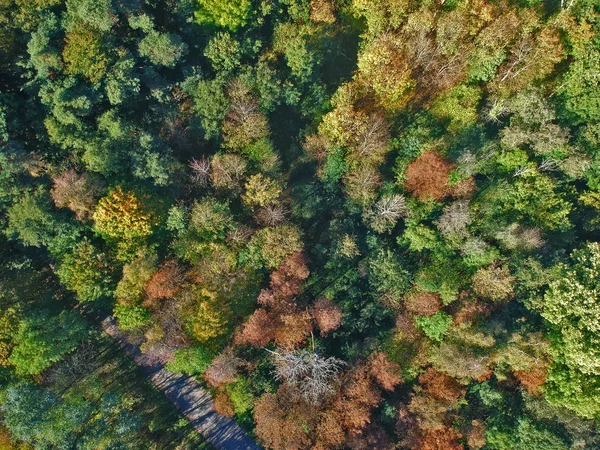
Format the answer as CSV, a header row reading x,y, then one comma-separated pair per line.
x,y
427,176
440,386
281,319
286,284
471,310
327,315
423,303
280,424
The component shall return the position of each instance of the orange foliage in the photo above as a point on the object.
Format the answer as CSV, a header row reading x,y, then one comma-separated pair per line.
x,y
292,329
427,176
532,380
327,315
258,329
440,386
281,319
476,434
385,372
280,424
443,439
166,281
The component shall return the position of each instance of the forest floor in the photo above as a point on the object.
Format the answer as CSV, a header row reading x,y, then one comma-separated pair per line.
x,y
187,395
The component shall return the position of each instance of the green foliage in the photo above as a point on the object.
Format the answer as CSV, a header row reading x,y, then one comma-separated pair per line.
x,y
572,304
211,106
44,339
270,247
240,394
223,52
192,360
162,49
87,272
436,326
230,14
132,317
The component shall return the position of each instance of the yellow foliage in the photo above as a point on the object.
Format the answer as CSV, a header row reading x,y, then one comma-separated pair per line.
x,y
261,191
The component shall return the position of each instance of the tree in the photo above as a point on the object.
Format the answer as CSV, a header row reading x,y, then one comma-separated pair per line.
x,y
435,326
223,369
308,372
224,52
31,220
162,49
78,192
122,217
210,318
261,191
271,246
387,211
130,289
165,282
85,54
44,339
427,176
571,306
327,315
223,14
87,272
493,283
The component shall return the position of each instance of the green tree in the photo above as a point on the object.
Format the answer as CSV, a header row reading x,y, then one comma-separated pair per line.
x,y
162,49
44,339
230,14
87,272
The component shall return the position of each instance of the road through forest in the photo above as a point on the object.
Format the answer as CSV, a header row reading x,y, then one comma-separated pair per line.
x,y
188,396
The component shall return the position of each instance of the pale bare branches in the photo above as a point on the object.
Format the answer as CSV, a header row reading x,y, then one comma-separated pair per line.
x,y
386,212
314,376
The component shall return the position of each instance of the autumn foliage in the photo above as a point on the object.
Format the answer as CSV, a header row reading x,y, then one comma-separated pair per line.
x,y
427,176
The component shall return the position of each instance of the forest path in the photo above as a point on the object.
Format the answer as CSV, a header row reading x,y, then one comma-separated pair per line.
x,y
187,395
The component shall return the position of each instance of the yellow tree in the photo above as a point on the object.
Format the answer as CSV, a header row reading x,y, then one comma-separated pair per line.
x,y
121,217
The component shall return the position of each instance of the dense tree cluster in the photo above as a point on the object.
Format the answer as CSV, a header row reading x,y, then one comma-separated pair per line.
x,y
362,224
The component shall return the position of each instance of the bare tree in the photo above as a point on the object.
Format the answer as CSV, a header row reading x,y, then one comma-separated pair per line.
x,y
271,215
456,218
200,171
386,212
311,374
223,369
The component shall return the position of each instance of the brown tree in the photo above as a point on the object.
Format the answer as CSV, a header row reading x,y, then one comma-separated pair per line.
x,y
427,176
292,329
223,369
281,423
258,329
327,315
442,439
223,404
423,303
440,386
384,372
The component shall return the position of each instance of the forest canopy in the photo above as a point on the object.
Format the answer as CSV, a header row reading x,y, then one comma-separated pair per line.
x,y
359,224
